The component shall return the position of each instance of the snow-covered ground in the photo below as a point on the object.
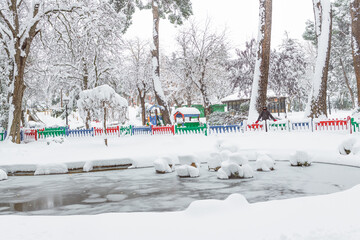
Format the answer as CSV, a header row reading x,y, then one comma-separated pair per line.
x,y
321,217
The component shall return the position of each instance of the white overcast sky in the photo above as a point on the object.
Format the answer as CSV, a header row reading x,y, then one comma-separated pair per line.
x,y
240,17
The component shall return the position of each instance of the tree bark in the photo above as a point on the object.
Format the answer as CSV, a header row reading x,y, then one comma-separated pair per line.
x,y
142,104
347,82
355,42
261,75
317,105
104,124
159,93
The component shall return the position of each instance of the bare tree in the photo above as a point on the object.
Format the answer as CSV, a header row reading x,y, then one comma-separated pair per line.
x,y
355,29
323,22
261,74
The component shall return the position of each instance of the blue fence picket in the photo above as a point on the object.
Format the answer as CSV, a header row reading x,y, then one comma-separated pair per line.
x,y
301,126
140,130
225,129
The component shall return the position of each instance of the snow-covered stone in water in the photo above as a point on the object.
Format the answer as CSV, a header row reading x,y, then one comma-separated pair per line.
x,y
190,160
221,174
300,158
3,175
230,169
51,168
88,166
239,158
248,171
214,162
187,171
224,154
346,147
164,165
264,163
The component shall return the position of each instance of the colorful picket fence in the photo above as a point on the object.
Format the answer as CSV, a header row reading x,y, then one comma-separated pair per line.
x,y
80,132
333,124
3,135
51,132
141,130
220,129
279,126
255,127
355,125
301,125
161,130
29,135
191,130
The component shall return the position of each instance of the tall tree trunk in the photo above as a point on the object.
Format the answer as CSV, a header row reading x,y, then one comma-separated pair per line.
x,y
159,93
261,74
85,87
317,98
142,104
355,42
104,125
204,92
347,82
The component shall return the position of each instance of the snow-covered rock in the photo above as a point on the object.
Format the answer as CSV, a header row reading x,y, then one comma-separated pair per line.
x,y
190,160
264,163
300,158
230,169
51,168
164,165
239,158
187,171
3,175
55,140
346,147
214,162
224,154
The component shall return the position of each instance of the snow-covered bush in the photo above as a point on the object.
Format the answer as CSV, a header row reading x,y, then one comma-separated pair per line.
x,y
187,171
214,162
300,158
190,160
225,118
51,168
189,166
3,175
230,169
346,147
239,158
164,165
264,163
55,140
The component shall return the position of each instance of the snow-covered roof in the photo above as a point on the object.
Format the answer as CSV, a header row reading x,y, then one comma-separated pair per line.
x,y
188,111
238,96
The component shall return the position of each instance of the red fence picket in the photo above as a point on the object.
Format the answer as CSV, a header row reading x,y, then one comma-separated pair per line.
x,y
255,126
163,130
333,124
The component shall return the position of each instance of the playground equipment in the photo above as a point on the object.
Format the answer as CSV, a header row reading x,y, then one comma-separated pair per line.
x,y
187,117
154,116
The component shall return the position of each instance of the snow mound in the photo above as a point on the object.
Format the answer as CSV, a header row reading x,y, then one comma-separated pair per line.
x,y
212,206
214,162
164,165
88,166
187,171
55,140
3,175
264,163
230,169
347,146
225,154
221,145
300,158
51,168
190,160
239,158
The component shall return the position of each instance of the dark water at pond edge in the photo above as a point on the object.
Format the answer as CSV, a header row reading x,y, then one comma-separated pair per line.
x,y
142,190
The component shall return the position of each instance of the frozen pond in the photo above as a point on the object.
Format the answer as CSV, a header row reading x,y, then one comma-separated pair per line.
x,y
137,190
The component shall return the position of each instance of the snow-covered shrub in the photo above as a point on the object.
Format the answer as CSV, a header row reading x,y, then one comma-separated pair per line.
x,y
214,162
239,158
230,169
264,163
187,171
3,175
225,118
300,158
51,168
190,160
164,165
346,147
